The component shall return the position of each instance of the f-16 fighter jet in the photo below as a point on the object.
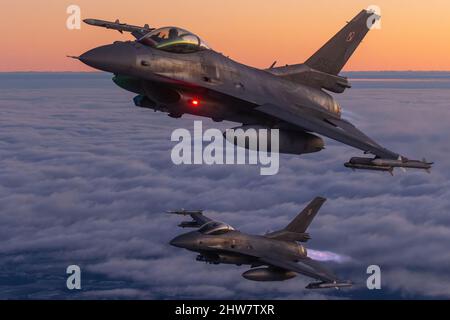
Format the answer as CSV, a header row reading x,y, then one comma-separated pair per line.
x,y
174,71
276,256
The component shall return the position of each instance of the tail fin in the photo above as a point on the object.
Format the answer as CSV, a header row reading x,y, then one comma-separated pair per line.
x,y
301,222
333,56
296,230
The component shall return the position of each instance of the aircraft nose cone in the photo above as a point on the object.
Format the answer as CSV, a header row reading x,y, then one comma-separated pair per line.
x,y
115,58
186,241
177,242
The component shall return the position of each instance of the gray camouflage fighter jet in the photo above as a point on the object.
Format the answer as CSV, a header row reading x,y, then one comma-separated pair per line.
x,y
174,71
276,256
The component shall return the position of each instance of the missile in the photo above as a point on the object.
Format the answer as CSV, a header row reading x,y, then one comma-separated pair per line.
x,y
184,212
117,25
329,285
388,165
404,163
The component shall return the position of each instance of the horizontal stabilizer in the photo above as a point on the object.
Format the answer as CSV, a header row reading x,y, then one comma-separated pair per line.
x,y
303,74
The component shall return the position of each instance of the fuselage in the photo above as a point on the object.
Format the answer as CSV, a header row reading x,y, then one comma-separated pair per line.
x,y
225,89
234,247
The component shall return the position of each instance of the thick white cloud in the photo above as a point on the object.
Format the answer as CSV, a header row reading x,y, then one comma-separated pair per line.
x,y
85,179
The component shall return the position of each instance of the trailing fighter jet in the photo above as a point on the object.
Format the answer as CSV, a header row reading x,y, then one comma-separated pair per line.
x,y
174,71
276,256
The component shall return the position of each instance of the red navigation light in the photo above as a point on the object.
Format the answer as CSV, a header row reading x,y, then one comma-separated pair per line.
x,y
194,102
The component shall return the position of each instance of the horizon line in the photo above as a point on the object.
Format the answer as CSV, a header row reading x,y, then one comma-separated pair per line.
x,y
71,71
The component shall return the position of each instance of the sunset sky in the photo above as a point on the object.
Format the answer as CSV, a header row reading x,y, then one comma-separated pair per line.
x,y
414,35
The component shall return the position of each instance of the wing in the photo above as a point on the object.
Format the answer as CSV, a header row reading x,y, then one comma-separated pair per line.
x,y
307,267
198,219
336,129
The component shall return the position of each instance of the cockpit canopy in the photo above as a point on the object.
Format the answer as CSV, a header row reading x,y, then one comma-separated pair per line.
x,y
215,228
174,39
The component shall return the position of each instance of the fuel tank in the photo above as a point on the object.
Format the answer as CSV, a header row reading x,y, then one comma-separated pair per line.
x,y
290,142
268,274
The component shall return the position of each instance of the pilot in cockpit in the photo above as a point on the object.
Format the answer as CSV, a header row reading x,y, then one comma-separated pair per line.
x,y
173,34
174,40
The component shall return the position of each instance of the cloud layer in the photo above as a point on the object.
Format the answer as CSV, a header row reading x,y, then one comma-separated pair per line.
x,y
85,178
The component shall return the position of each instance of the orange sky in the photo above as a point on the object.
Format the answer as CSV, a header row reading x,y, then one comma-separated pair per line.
x,y
415,34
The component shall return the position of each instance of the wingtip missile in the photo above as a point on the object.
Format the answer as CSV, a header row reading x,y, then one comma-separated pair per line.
x,y
329,285
90,21
117,25
99,23
184,212
387,165
105,24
